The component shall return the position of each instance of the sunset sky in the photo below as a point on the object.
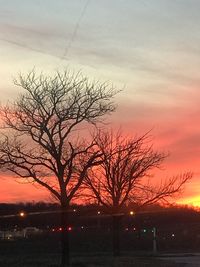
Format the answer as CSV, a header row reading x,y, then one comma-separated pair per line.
x,y
148,48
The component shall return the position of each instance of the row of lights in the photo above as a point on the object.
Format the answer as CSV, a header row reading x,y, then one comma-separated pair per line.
x,y
132,213
60,229
82,227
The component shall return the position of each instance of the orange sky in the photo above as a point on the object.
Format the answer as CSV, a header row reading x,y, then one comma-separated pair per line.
x,y
150,49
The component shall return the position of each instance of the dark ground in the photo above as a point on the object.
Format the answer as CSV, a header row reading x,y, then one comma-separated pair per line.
x,y
177,231
45,252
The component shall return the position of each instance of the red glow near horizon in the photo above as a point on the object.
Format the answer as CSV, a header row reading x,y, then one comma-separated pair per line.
x,y
179,135
12,192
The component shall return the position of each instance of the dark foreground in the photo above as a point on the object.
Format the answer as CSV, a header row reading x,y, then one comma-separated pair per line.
x,y
45,252
86,261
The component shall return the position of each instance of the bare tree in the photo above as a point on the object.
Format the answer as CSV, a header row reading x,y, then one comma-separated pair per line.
x,y
44,143
125,175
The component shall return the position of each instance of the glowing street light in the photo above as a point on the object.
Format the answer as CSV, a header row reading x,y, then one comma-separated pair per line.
x,y
132,213
21,214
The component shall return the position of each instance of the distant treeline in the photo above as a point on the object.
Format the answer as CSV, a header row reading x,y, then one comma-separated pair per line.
x,y
46,215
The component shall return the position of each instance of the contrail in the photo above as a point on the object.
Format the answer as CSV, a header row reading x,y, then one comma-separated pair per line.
x,y
21,45
75,30
44,52
27,47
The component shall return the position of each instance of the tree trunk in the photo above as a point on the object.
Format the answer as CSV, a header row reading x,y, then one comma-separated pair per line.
x,y
116,235
65,257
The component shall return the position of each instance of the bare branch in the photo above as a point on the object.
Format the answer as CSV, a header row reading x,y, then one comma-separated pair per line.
x,y
126,163
44,123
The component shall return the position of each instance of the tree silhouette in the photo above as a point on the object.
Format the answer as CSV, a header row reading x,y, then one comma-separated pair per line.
x,y
45,143
125,176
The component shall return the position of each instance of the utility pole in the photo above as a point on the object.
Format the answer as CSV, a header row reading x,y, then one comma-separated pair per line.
x,y
154,241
